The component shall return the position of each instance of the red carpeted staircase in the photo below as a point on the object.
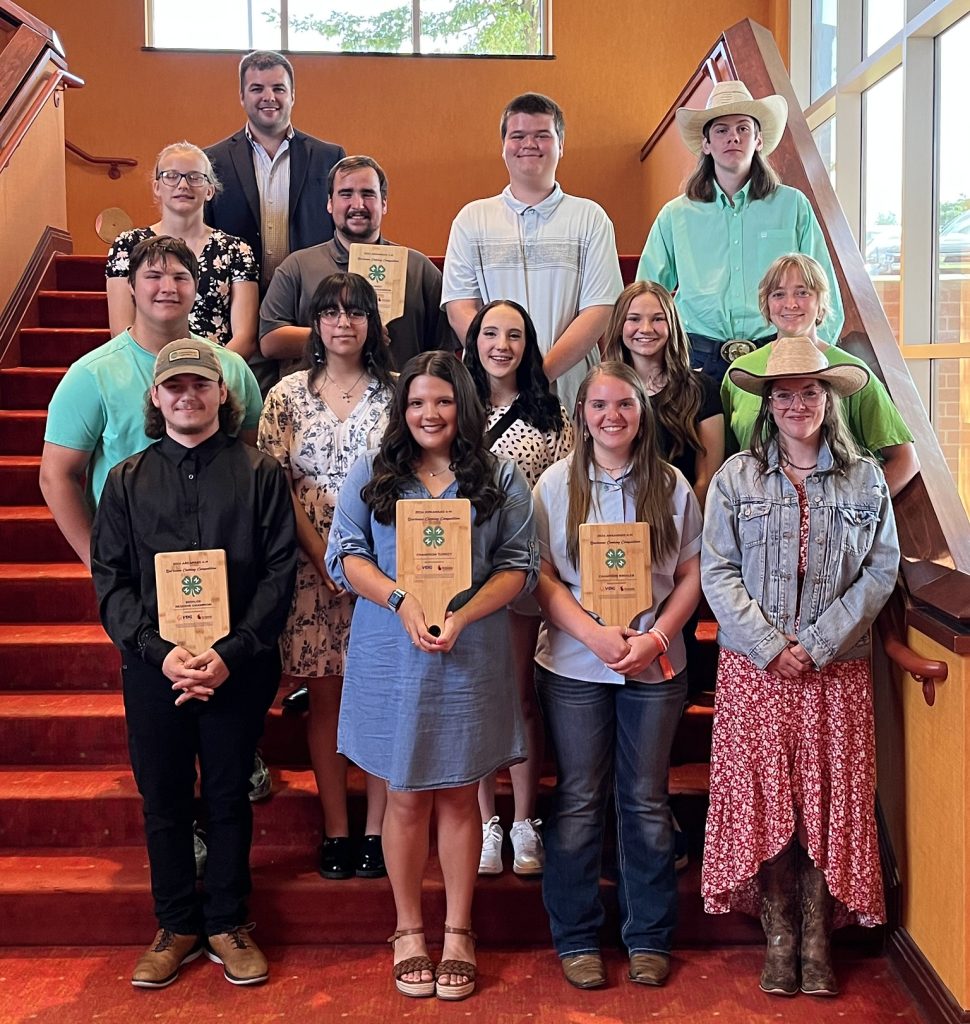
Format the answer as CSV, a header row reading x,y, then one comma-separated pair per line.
x,y
72,861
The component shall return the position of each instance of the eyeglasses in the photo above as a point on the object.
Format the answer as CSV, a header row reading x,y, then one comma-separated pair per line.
x,y
332,314
194,179
811,398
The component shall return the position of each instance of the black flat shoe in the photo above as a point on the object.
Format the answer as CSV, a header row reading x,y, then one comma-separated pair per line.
x,y
335,858
370,858
296,702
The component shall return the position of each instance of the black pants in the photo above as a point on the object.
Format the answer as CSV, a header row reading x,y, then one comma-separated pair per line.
x,y
164,742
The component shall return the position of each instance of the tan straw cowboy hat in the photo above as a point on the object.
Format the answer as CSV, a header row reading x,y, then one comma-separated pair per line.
x,y
800,357
733,98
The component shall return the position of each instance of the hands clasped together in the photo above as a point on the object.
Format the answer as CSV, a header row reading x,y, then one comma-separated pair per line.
x,y
196,676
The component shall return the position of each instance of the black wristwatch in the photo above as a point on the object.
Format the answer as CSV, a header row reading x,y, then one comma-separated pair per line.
x,y
394,601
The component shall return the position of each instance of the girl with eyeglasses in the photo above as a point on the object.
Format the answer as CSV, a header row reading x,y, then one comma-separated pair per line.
x,y
800,554
226,309
317,423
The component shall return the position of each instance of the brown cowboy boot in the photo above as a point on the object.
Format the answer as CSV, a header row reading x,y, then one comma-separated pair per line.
x,y
818,978
779,917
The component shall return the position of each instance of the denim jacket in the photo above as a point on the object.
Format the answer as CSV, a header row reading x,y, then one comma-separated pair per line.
x,y
749,562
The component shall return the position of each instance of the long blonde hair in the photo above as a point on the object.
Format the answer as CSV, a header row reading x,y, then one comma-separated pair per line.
x,y
653,479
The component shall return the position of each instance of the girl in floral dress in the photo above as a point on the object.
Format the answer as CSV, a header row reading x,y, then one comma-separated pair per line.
x,y
800,554
317,423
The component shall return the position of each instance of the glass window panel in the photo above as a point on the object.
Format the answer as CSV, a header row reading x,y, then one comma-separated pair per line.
x,y
952,306
824,26
950,410
355,26
884,18
882,190
824,136
217,25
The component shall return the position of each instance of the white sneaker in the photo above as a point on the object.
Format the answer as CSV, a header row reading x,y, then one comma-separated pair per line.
x,y
491,862
530,857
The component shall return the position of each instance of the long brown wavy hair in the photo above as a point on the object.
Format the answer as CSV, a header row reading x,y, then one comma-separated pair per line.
x,y
678,404
471,462
653,479
700,185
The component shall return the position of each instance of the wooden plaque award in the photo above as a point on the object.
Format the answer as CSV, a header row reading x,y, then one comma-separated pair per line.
x,y
614,570
385,267
434,553
193,597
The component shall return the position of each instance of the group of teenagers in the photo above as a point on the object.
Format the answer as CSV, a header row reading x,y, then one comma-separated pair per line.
x,y
792,541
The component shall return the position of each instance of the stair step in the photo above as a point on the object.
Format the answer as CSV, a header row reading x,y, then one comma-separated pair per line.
x,y
56,657
79,273
72,309
28,533
22,431
29,387
20,479
58,346
46,592
101,895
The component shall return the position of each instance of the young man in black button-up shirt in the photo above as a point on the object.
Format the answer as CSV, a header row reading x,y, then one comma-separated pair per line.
x,y
198,487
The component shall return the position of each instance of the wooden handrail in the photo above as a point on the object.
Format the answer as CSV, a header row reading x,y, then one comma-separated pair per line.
x,y
934,531
114,162
58,79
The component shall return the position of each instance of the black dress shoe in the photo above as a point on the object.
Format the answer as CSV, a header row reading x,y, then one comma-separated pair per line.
x,y
370,858
335,858
297,702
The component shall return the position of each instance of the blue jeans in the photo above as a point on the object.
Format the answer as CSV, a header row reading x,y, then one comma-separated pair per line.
x,y
602,734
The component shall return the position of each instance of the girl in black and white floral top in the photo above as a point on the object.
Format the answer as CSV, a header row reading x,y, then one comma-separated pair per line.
x,y
227,306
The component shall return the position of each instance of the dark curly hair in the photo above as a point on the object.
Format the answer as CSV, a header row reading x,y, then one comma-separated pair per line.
x,y
351,291
539,406
472,463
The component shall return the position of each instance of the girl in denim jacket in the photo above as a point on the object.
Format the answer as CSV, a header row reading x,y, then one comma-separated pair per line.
x,y
800,554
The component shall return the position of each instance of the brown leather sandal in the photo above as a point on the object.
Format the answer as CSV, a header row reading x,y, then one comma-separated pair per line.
x,y
410,965
462,967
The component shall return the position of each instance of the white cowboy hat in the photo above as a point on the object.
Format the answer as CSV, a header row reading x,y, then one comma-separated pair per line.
x,y
800,357
733,97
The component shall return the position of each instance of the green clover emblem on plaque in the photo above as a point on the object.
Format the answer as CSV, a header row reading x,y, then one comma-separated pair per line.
x,y
191,586
615,558
434,536
377,272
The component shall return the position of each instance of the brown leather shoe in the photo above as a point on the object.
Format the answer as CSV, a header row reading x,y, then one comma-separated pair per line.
x,y
159,965
649,968
241,959
584,970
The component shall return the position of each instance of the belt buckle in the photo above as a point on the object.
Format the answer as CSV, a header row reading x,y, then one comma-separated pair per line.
x,y
735,348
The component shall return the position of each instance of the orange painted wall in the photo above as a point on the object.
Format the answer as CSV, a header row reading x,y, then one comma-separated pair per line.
x,y
431,122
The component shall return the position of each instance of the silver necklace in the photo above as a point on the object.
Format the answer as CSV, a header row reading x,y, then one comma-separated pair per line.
x,y
345,394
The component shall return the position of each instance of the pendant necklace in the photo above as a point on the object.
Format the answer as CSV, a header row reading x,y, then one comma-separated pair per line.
x,y
345,395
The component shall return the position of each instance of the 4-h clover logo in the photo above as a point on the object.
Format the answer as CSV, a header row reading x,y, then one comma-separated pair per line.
x,y
377,272
615,558
191,586
434,536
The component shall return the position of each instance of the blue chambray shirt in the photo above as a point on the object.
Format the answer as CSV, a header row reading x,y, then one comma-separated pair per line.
x,y
749,562
613,501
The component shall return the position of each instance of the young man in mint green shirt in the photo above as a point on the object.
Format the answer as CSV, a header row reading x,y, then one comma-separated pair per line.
x,y
96,417
713,243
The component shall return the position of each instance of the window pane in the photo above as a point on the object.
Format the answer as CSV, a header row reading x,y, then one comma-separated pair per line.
x,y
824,136
884,18
953,186
354,26
824,25
218,25
950,409
882,105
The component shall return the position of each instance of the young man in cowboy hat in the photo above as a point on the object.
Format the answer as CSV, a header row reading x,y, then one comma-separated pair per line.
x,y
714,242
198,487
